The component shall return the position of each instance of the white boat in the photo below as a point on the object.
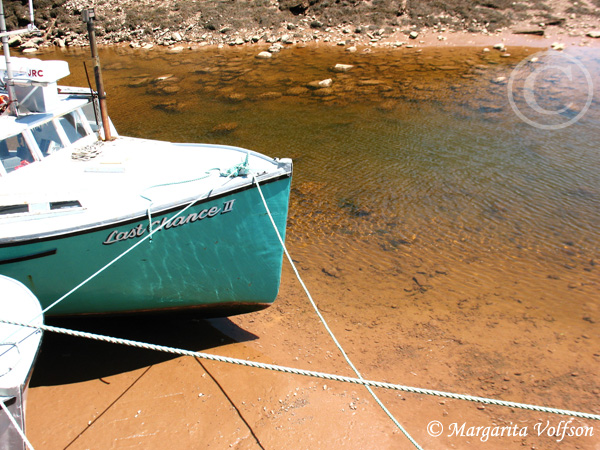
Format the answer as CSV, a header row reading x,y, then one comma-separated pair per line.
x,y
18,349
75,195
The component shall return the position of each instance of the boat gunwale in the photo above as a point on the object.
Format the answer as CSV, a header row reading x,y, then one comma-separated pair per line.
x,y
127,220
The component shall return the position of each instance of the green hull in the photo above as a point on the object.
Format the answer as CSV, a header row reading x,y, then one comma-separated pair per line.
x,y
221,254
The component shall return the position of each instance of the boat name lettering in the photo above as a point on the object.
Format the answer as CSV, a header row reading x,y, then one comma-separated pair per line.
x,y
166,223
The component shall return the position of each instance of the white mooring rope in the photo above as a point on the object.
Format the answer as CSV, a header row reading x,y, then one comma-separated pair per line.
x,y
308,373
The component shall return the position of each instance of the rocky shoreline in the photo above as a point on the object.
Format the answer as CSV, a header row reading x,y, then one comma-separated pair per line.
x,y
191,24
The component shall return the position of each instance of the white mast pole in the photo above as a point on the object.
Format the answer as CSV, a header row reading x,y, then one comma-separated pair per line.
x,y
12,106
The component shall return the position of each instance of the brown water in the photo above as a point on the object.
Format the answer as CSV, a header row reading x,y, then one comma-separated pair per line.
x,y
417,153
451,244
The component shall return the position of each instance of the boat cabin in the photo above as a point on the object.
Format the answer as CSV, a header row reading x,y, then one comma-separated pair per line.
x,y
50,117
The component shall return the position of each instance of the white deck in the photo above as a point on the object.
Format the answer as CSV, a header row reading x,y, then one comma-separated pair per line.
x,y
113,185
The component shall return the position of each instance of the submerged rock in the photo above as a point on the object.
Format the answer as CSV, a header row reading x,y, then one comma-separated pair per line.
x,y
320,84
171,106
298,90
340,68
224,128
264,55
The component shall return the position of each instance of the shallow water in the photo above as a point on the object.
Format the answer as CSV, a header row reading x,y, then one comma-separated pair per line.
x,y
419,153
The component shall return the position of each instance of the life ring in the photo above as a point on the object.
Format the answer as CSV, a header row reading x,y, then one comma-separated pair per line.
x,y
23,163
4,102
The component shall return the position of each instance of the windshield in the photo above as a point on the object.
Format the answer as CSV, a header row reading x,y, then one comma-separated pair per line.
x,y
15,153
47,138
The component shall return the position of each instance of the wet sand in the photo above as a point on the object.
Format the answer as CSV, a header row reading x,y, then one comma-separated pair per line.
x,y
404,316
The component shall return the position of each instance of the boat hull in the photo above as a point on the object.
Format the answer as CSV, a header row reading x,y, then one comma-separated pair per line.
x,y
221,254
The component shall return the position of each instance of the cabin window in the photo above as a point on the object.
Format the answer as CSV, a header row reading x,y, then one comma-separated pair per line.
x,y
13,209
91,112
73,126
47,138
15,153
65,204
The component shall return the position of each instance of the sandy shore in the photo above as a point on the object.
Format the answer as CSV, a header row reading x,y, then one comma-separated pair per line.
x,y
472,335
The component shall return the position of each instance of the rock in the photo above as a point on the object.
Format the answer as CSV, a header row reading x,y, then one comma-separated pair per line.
x,y
298,90
530,31
500,47
340,68
14,41
169,106
325,93
29,44
351,49
331,272
420,279
369,82
594,34
167,90
164,78
224,128
275,48
235,97
320,84
558,46
413,35
139,83
264,55
269,95
177,37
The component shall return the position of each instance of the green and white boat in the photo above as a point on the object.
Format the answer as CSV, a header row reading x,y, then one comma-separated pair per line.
x,y
72,201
